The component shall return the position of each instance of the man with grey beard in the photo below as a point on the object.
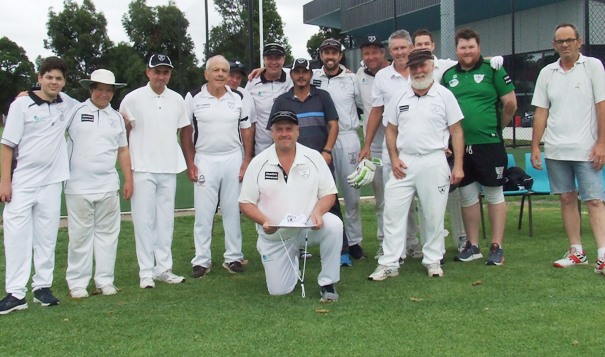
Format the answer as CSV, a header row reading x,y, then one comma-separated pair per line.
x,y
421,117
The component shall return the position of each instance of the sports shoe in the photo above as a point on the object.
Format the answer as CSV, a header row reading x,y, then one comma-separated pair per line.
x,y
78,293
414,251
304,254
345,260
461,243
244,261
382,272
108,289
379,253
169,277
599,266
45,297
199,271
234,267
469,253
328,293
571,258
496,255
11,303
147,283
434,270
356,251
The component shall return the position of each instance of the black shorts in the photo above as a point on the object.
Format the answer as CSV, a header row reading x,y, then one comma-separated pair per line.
x,y
484,163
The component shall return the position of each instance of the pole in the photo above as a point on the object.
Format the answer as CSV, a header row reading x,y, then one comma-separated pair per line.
x,y
207,32
261,26
250,35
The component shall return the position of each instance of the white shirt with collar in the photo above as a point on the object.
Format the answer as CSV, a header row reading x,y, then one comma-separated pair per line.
x,y
155,120
570,97
423,122
442,65
386,83
217,121
93,138
274,193
345,93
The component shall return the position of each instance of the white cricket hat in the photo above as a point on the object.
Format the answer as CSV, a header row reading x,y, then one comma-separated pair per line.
x,y
102,76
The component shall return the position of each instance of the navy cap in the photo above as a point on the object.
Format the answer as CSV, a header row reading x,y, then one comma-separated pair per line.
x,y
283,115
158,59
274,49
301,63
237,66
330,43
371,40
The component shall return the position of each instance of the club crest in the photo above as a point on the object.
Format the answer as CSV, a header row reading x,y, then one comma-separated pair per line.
x,y
499,172
478,78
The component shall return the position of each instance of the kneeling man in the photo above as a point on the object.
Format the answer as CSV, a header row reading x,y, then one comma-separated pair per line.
x,y
288,191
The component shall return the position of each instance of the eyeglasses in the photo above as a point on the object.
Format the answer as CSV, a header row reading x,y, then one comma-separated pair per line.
x,y
568,41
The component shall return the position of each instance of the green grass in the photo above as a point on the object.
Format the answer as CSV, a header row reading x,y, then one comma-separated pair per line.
x,y
525,307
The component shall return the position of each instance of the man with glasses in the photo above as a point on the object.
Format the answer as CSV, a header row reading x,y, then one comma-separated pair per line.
x,y
570,113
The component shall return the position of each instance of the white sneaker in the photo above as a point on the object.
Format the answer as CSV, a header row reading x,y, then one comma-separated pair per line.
x,y
414,251
108,289
78,293
147,283
571,258
382,272
434,270
170,278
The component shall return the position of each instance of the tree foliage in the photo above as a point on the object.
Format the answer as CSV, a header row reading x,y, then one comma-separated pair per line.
x,y
231,37
163,29
324,33
16,72
78,34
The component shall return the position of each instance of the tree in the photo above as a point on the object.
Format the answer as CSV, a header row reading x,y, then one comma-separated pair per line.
x,y
324,33
78,34
230,38
16,72
163,29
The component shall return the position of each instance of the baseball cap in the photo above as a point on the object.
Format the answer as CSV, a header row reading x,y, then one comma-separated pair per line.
x,y
330,43
237,66
370,40
418,56
283,115
101,76
158,59
274,49
301,63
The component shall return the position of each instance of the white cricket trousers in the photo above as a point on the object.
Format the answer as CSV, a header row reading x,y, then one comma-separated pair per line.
x,y
345,153
218,178
152,206
93,221
378,189
281,263
428,176
31,223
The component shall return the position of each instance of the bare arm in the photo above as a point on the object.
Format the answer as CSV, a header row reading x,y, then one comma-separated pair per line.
x,y
321,207
372,125
6,160
458,146
252,211
186,134
332,135
540,116
597,155
398,166
124,162
509,107
247,139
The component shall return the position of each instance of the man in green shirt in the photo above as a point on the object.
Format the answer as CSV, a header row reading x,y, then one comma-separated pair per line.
x,y
488,102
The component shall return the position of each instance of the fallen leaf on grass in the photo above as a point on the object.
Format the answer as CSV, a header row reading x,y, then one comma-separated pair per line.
x,y
65,320
477,283
575,343
415,299
322,311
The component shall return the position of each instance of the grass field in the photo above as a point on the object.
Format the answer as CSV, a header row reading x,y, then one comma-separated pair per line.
x,y
524,307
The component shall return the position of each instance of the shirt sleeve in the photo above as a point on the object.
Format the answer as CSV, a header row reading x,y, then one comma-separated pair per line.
x,y
125,107
452,108
502,82
244,120
327,186
183,118
540,97
249,192
597,76
377,92
330,112
390,113
15,122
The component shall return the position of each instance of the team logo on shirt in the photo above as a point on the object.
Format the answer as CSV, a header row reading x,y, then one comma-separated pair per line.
x,y
478,78
87,118
231,105
270,175
202,106
404,108
506,79
436,109
344,86
317,83
304,172
454,82
499,172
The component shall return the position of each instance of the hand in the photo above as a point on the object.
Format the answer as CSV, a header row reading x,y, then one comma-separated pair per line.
x,y
457,175
22,94
5,192
496,62
536,159
267,229
127,190
364,153
192,173
363,174
255,73
597,156
126,119
327,157
317,220
399,168
448,153
242,170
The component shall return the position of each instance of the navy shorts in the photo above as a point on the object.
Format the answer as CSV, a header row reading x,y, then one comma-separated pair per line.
x,y
484,163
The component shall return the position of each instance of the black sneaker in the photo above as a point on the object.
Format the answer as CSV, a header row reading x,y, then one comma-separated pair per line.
x,y
496,255
199,271
45,297
234,267
11,303
328,293
357,252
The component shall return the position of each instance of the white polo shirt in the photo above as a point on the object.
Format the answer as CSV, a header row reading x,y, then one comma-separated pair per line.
x,y
366,80
441,65
93,138
264,92
570,97
423,122
155,120
386,83
345,93
249,102
217,122
35,129
266,185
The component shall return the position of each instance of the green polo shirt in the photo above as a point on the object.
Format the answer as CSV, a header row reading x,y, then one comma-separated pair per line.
x,y
478,92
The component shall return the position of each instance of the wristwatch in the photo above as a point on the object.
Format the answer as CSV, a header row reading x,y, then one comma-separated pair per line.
x,y
329,152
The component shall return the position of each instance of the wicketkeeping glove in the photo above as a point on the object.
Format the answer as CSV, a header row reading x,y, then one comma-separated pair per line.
x,y
364,173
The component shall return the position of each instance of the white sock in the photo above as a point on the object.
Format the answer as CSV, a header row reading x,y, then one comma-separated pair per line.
x,y
601,252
